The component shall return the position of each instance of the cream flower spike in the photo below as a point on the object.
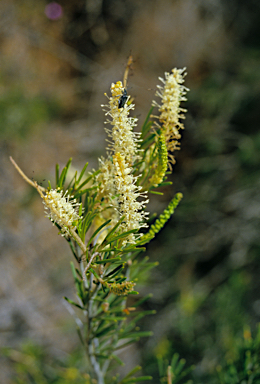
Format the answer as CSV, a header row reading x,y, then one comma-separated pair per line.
x,y
62,209
59,208
128,192
124,140
172,94
116,176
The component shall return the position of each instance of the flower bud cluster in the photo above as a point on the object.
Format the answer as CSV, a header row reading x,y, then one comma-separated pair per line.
x,y
121,289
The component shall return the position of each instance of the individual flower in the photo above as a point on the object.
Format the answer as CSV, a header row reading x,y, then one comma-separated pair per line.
x,y
61,208
172,93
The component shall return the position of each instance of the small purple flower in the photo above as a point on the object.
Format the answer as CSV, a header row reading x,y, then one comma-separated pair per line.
x,y
53,11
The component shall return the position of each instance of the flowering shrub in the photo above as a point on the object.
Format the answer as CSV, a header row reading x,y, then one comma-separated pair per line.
x,y
102,217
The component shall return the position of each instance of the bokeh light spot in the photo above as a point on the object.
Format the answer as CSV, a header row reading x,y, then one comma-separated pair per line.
x,y
53,11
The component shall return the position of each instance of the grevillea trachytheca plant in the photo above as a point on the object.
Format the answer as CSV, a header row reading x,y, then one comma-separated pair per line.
x,y
102,216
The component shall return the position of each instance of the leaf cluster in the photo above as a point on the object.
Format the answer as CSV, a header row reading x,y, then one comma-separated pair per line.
x,y
174,372
244,367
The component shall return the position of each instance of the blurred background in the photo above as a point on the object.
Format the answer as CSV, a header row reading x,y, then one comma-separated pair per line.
x,y
57,60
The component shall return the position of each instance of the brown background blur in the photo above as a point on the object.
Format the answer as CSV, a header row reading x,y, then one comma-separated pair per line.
x,y
55,68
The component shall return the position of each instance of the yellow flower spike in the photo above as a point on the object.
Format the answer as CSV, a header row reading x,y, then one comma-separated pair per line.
x,y
162,161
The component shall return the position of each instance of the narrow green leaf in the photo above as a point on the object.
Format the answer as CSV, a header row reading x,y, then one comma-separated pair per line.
x,y
88,179
155,192
145,240
174,361
114,272
185,373
106,330
115,318
141,268
101,356
105,241
64,173
80,210
82,172
71,181
80,336
86,223
141,301
121,236
131,373
144,127
79,193
73,249
105,261
135,334
146,313
132,324
57,169
137,379
115,301
127,343
98,230
94,273
143,313
77,282
117,359
180,366
84,182
101,300
73,303
134,249
73,271
161,368
137,165
118,309
165,183
148,141
147,129
79,273
119,280
111,249
62,177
